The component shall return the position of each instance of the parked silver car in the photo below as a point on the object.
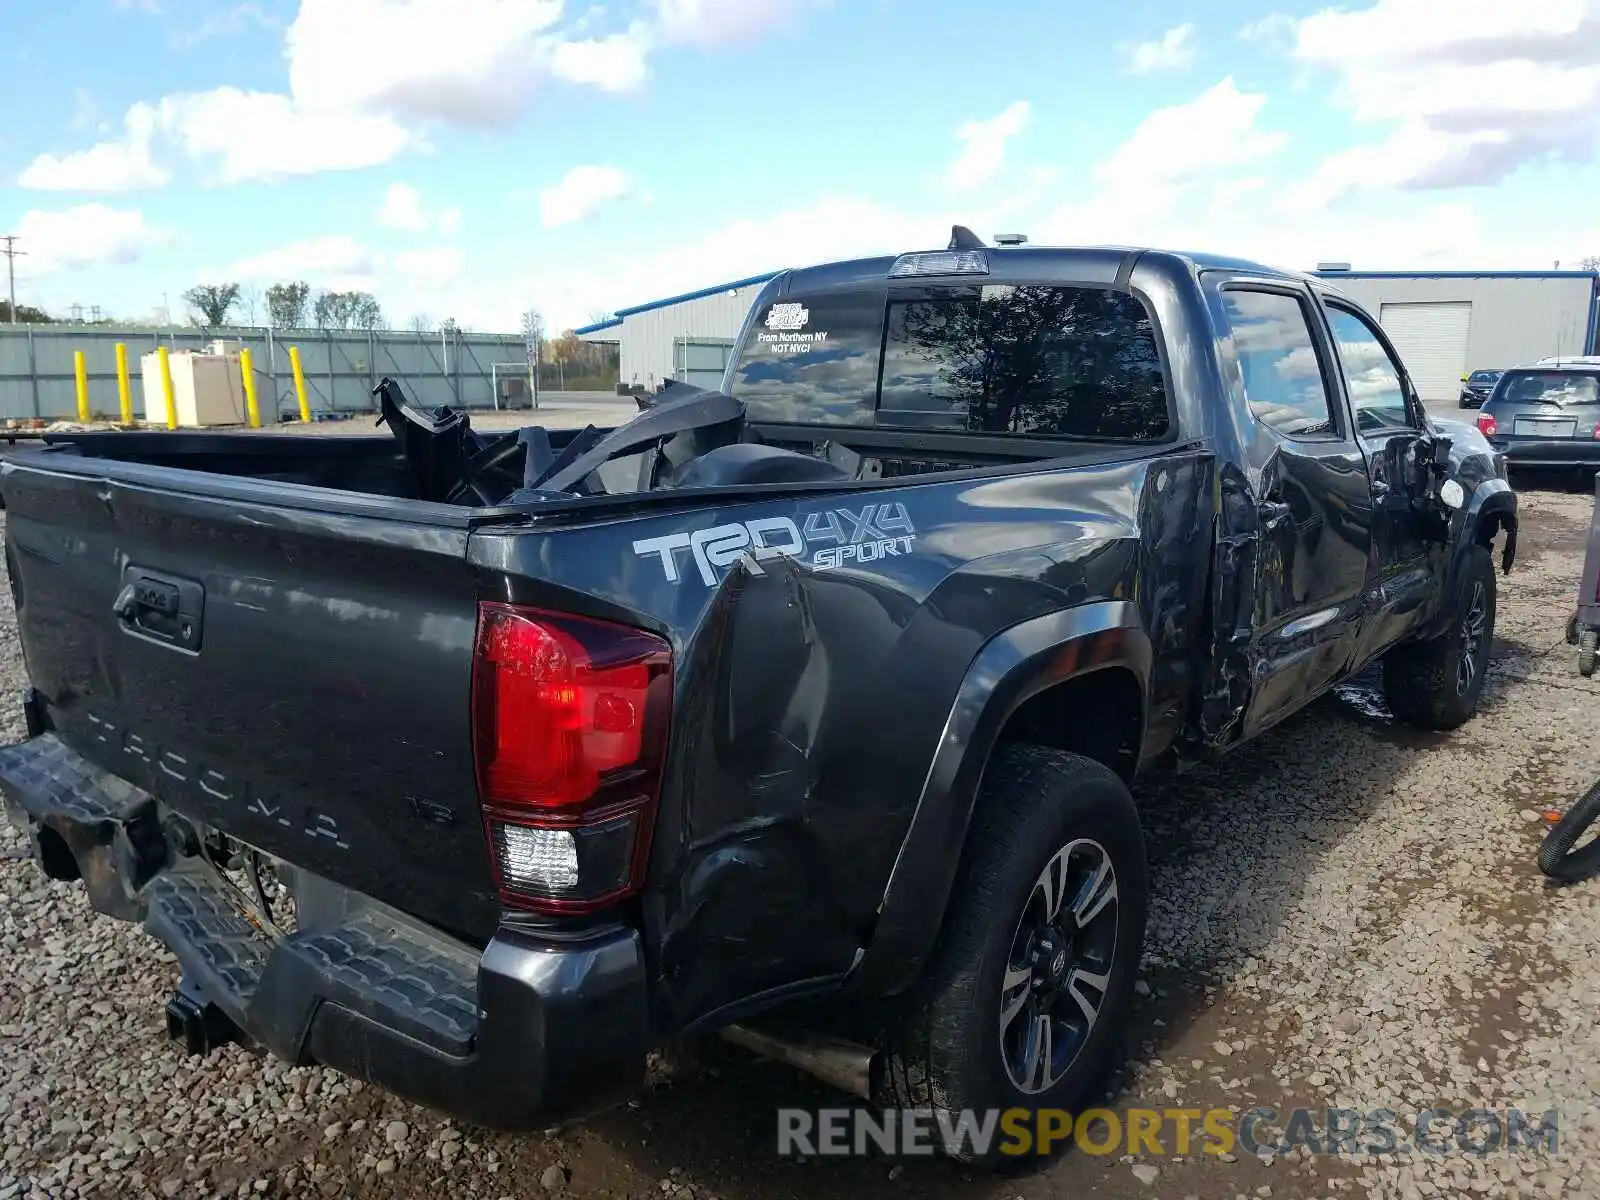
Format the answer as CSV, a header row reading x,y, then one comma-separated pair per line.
x,y
1546,416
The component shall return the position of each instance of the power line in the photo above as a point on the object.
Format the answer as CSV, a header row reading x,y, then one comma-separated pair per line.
x,y
11,252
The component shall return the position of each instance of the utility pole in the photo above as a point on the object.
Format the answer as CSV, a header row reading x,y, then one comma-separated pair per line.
x,y
11,252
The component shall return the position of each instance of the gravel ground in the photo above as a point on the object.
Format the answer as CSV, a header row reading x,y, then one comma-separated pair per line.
x,y
1347,914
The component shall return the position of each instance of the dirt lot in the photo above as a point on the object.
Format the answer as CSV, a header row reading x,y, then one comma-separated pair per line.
x,y
1347,914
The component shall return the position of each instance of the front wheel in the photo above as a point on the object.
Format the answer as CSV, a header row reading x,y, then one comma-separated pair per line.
x,y
1023,1004
1588,644
1436,684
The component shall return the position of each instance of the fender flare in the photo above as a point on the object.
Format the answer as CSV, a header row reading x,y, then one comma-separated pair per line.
x,y
1493,501
1011,668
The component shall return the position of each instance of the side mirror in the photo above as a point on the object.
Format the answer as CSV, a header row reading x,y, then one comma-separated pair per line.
x,y
1464,378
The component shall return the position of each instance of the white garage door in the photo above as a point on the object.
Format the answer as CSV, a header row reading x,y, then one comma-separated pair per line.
x,y
1432,341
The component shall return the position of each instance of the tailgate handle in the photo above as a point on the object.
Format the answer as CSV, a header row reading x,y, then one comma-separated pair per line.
x,y
162,608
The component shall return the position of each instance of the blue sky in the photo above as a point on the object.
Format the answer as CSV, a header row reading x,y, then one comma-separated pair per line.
x,y
473,158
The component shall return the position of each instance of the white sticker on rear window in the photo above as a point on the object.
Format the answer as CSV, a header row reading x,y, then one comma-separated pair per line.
x,y
788,316
791,343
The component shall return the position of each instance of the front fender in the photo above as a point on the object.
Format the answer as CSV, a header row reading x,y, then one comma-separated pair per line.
x,y
1011,668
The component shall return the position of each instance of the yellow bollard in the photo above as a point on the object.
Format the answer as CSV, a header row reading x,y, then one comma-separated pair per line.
x,y
300,384
248,370
124,389
166,387
81,370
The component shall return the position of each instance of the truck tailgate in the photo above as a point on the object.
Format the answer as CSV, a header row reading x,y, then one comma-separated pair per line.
x,y
297,678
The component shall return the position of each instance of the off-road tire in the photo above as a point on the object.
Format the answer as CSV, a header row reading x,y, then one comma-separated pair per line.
x,y
1588,644
945,1046
1422,681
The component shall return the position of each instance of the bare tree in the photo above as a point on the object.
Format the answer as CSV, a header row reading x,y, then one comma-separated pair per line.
x,y
1592,263
250,304
421,323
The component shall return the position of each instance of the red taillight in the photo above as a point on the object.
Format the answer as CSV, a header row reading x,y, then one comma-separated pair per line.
x,y
570,727
1487,425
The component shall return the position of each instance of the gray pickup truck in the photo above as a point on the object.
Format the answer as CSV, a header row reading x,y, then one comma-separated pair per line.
x,y
475,766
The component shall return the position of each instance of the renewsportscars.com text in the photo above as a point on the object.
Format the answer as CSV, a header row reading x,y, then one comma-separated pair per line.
x,y
1021,1132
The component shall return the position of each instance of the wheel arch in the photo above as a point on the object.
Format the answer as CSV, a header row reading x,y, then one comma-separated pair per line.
x,y
1093,662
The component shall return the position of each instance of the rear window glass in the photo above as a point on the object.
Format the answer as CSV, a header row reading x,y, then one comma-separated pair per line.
x,y
1004,359
1549,387
814,361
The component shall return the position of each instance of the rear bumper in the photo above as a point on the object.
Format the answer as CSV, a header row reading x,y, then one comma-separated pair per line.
x,y
528,1031
1549,452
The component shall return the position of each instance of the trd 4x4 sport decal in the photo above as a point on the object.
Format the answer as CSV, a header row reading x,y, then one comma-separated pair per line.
x,y
831,537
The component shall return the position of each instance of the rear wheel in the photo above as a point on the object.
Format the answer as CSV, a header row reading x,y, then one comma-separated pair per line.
x,y
1436,684
1588,644
1024,1000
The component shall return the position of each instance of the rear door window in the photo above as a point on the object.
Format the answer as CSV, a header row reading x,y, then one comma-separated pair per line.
x,y
1283,380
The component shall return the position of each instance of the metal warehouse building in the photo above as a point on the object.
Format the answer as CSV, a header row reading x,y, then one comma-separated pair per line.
x,y
687,337
1444,323
1447,323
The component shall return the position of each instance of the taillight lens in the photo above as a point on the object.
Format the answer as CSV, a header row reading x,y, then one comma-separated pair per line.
x,y
1487,425
570,721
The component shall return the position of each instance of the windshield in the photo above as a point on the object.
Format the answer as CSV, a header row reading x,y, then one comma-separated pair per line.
x,y
1034,360
1484,376
1550,387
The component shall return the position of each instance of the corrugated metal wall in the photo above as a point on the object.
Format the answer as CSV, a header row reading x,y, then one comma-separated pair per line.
x,y
36,366
647,338
1514,320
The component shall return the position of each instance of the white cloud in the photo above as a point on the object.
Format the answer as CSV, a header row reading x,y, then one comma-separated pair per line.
x,y
118,166
467,61
1467,95
983,147
86,235
225,23
1215,131
265,135
432,268
402,209
580,192
449,220
1275,31
1173,49
1167,184
326,261
366,77
613,64
712,22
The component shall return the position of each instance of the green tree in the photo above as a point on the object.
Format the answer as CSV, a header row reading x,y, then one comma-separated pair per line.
x,y
367,313
212,302
27,314
347,310
286,304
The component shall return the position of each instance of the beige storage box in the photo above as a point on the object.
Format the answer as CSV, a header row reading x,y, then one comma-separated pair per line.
x,y
206,387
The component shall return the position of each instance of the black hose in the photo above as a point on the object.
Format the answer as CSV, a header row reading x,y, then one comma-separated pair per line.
x,y
1557,859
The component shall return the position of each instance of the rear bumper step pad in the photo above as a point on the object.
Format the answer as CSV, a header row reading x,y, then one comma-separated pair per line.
x,y
529,1031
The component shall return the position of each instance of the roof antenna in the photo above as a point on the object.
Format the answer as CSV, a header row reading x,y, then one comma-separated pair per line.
x,y
962,238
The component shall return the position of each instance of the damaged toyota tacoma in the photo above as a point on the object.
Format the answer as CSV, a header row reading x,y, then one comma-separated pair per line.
x,y
477,765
